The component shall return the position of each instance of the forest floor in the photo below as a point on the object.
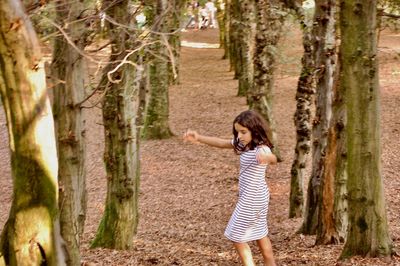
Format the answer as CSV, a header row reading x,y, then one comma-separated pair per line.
x,y
188,191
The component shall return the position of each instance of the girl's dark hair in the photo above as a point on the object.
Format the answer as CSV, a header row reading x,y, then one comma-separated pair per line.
x,y
256,124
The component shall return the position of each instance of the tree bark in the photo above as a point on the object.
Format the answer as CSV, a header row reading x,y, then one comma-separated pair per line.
x,y
247,41
69,74
121,113
156,120
368,233
269,21
325,60
302,120
31,235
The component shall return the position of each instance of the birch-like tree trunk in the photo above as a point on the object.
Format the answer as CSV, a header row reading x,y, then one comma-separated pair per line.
x,y
368,233
325,60
69,74
31,235
121,107
156,119
302,119
333,216
269,19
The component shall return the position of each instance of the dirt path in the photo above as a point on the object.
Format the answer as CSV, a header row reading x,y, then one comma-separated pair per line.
x,y
188,191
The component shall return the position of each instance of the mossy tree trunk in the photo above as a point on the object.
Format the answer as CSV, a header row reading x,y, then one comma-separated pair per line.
x,y
221,8
31,235
69,74
269,19
325,60
234,23
368,233
121,107
226,30
156,119
302,119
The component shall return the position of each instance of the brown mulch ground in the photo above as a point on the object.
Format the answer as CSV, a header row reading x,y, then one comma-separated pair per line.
x,y
188,191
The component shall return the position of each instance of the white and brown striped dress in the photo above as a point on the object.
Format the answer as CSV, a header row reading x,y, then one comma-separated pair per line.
x,y
249,219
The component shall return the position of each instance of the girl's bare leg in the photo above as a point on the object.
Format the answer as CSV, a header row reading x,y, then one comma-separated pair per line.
x,y
266,250
244,253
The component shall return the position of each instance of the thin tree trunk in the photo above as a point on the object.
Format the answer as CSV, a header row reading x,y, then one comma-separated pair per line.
x,y
234,21
302,121
247,42
368,233
175,17
69,74
31,235
227,30
268,31
121,108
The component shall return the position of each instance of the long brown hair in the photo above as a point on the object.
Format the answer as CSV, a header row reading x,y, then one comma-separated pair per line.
x,y
256,124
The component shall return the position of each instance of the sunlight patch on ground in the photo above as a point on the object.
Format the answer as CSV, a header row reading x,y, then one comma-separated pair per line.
x,y
200,45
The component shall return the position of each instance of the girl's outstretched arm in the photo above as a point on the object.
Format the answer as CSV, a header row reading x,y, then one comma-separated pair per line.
x,y
194,137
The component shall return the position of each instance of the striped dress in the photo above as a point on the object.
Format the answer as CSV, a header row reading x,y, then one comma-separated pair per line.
x,y
249,219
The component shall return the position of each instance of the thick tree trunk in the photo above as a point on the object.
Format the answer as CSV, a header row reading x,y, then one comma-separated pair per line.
x,y
121,108
325,60
269,21
368,233
31,235
302,121
69,74
156,120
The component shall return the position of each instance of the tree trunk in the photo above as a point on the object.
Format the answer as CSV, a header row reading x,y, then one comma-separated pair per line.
x,y
121,107
69,74
246,40
156,120
227,30
325,60
368,233
31,235
221,15
234,21
269,21
302,120
175,17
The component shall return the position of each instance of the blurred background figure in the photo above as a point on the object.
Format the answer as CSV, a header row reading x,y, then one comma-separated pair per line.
x,y
212,11
204,17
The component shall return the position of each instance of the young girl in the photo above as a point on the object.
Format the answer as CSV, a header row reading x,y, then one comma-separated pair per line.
x,y
249,219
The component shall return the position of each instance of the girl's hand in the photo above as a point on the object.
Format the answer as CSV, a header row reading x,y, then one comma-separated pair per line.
x,y
265,156
190,135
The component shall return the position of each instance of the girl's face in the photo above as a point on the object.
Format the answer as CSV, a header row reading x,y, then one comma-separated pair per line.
x,y
244,134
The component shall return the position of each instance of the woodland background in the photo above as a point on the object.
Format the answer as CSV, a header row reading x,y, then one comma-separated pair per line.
x,y
188,192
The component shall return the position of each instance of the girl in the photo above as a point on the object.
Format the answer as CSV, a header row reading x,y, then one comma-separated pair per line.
x,y
249,219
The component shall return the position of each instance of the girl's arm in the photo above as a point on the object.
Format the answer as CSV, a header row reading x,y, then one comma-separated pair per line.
x,y
265,156
194,137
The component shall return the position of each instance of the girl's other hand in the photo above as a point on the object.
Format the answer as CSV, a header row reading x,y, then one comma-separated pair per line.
x,y
190,135
265,156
